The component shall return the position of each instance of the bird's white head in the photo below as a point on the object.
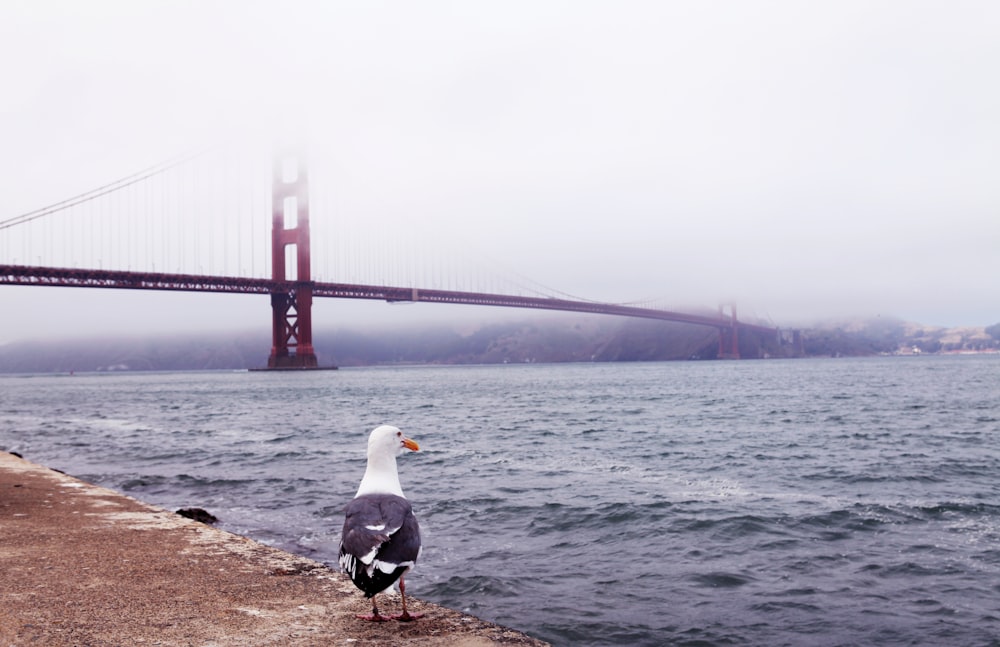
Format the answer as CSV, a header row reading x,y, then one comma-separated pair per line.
x,y
389,441
385,443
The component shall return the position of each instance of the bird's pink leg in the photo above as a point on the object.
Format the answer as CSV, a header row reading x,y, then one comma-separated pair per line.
x,y
406,616
375,616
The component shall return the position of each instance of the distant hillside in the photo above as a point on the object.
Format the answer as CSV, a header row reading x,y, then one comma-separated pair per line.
x,y
582,339
585,338
158,353
560,339
887,336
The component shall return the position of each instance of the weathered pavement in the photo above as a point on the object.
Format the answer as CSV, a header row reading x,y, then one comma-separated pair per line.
x,y
86,566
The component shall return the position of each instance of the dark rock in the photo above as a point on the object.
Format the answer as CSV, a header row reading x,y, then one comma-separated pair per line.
x,y
198,514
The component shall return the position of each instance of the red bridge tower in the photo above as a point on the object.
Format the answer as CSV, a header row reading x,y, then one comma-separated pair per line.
x,y
291,310
729,341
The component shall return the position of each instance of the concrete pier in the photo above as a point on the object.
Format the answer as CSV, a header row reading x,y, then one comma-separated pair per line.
x,y
83,565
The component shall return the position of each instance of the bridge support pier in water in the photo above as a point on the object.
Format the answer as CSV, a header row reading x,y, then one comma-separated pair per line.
x,y
291,311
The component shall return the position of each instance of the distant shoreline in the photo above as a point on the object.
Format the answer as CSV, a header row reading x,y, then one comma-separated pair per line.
x,y
564,340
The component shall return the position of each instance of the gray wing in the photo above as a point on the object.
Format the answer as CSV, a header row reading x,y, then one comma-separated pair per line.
x,y
380,541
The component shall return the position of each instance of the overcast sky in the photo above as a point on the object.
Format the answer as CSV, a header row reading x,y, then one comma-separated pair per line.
x,y
808,159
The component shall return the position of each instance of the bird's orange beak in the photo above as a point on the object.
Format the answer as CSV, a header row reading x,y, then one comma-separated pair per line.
x,y
409,444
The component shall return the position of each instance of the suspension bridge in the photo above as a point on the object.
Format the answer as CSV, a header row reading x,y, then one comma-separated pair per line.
x,y
148,231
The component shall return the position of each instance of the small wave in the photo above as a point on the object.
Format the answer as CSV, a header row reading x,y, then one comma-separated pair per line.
x,y
282,439
721,579
962,509
910,569
778,607
893,478
728,529
458,590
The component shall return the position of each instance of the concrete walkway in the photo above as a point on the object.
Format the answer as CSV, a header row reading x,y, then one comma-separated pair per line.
x,y
85,566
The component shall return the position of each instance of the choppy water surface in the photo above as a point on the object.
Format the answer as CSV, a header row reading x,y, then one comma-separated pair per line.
x,y
819,502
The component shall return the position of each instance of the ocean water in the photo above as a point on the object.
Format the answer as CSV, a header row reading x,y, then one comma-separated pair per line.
x,y
798,502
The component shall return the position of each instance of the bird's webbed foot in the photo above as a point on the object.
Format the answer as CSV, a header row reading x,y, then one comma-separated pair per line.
x,y
406,616
374,616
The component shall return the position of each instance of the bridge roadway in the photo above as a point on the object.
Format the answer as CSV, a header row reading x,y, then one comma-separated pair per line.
x,y
116,279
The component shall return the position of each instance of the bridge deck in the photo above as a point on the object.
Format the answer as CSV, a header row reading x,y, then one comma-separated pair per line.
x,y
38,276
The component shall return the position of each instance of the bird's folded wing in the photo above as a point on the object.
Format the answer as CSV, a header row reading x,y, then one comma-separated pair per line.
x,y
370,520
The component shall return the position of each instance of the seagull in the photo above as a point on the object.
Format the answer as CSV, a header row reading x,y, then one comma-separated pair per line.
x,y
381,538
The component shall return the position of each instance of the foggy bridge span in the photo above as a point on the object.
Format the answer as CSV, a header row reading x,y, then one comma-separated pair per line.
x,y
290,285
